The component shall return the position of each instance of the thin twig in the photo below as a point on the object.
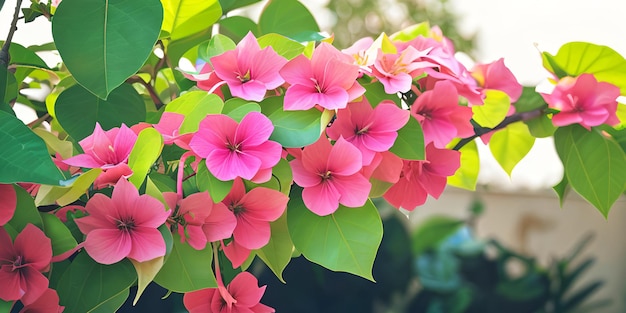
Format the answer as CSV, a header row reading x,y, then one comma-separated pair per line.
x,y
153,95
38,121
4,52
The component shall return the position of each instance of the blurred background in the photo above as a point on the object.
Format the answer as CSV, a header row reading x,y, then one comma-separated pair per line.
x,y
511,241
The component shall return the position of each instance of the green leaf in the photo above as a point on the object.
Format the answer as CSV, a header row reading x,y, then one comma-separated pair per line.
x,y
175,49
8,90
375,94
195,106
229,5
145,274
23,155
410,142
25,60
64,195
345,241
281,180
409,33
575,58
103,43
510,145
205,181
216,46
277,253
183,18
432,231
595,166
54,144
541,127
292,128
529,100
562,189
187,269
26,212
59,234
237,108
284,46
287,17
88,286
494,110
467,175
146,151
77,110
237,27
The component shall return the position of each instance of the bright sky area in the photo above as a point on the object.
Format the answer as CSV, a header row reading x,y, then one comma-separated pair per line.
x,y
514,30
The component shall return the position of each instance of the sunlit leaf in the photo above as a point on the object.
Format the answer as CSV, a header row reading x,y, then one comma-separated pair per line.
x,y
510,145
595,166
87,286
494,110
207,182
217,45
287,17
187,269
237,108
77,110
103,43
467,175
345,241
146,151
284,46
195,105
183,18
23,155
277,253
146,271
237,27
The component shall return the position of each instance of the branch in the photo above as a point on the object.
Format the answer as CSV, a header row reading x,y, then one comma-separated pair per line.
x,y
4,52
517,117
155,98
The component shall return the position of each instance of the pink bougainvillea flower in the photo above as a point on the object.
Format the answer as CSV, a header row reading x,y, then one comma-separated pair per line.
x,y
169,127
360,52
236,253
22,263
108,150
583,100
8,203
48,302
234,149
331,175
191,215
327,79
422,178
497,76
254,211
369,129
206,77
124,225
243,295
385,166
249,71
396,71
441,116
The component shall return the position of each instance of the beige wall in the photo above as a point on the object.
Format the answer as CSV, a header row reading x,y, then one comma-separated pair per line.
x,y
534,223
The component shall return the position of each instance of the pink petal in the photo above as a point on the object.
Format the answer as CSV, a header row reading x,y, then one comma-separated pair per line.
x,y
11,282
124,143
8,203
33,245
266,65
264,204
198,204
254,129
236,254
335,72
406,194
227,68
298,71
7,251
355,91
262,308
215,132
344,158
228,165
251,233
220,224
300,97
253,90
99,208
34,282
99,145
83,160
322,199
302,176
169,124
147,244
171,199
389,168
245,289
331,97
111,175
124,197
314,157
354,189
389,117
194,235
268,153
148,212
199,301
47,302
108,246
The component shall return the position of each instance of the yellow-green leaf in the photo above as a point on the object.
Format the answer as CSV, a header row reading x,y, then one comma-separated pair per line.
x,y
494,110
146,151
467,175
510,145
146,271
183,18
277,253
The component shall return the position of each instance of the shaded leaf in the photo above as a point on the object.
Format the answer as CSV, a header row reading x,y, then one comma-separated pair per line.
x,y
8,90
229,5
103,43
276,254
145,274
205,181
287,17
292,128
59,234
410,142
26,212
432,231
237,27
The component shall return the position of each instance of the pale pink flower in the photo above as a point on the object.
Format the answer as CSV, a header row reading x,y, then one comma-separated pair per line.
x,y
22,263
369,129
497,76
108,150
330,175
359,51
422,178
169,128
396,71
124,225
583,100
206,77
243,294
48,302
441,116
199,220
234,149
327,79
254,211
8,203
249,71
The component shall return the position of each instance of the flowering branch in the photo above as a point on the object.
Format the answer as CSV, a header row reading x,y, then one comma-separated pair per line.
x,y
4,53
153,94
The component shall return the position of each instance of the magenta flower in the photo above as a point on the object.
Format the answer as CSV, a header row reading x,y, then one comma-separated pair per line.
x,y
422,178
48,302
254,211
22,263
108,150
169,128
497,76
369,129
583,100
124,225
441,116
330,175
249,71
8,203
199,220
244,290
396,71
327,79
234,149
